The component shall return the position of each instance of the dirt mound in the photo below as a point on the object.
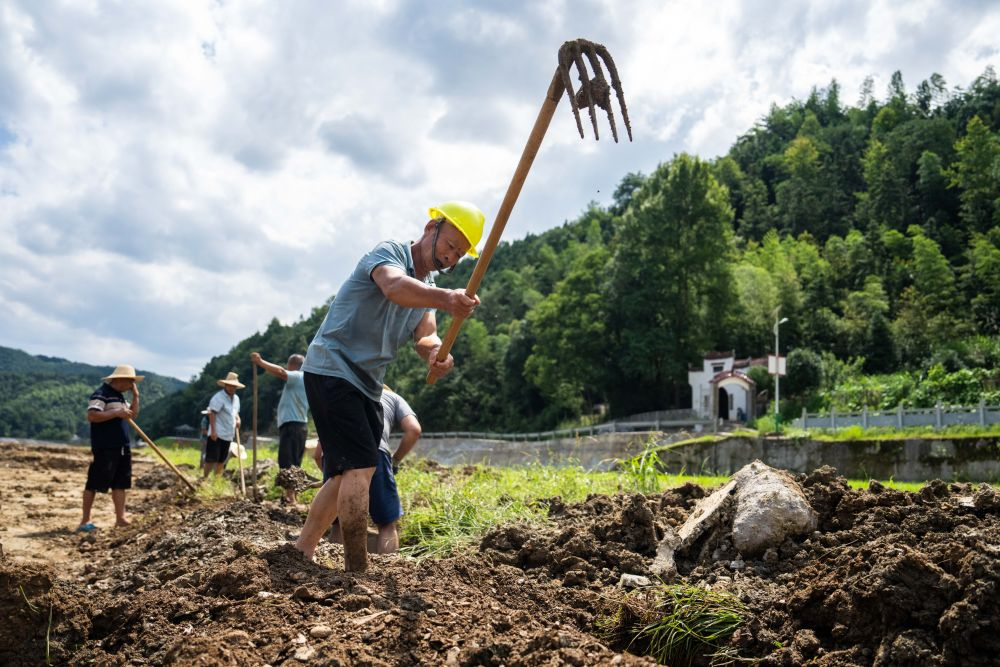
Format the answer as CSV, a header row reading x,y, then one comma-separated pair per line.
x,y
886,578
222,586
161,477
44,619
889,577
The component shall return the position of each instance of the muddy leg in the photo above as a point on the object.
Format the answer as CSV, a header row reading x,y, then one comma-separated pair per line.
x,y
118,498
321,514
388,538
88,504
353,502
336,534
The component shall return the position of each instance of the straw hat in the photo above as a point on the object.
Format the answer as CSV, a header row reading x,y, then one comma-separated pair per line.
x,y
242,450
231,379
124,372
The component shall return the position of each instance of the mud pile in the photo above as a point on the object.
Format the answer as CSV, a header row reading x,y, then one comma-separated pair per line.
x,y
221,586
886,578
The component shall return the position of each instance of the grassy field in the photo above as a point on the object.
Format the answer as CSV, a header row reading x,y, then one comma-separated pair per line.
x,y
447,509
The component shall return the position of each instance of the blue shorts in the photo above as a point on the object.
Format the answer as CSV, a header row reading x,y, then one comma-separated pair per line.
x,y
384,505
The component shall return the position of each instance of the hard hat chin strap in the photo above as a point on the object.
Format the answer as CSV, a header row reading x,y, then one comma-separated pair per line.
x,y
438,264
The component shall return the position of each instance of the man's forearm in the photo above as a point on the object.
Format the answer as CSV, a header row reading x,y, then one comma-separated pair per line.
x,y
428,346
405,445
97,416
412,293
274,369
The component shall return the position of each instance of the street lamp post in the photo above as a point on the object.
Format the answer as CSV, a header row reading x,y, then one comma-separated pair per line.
x,y
777,365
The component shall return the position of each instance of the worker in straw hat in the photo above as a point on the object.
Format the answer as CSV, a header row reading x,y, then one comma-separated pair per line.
x,y
110,442
389,298
223,420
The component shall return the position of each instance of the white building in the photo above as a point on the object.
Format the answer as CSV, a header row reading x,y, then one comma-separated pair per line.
x,y
721,387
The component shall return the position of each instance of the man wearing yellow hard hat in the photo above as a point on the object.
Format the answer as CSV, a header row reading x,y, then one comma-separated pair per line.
x,y
389,299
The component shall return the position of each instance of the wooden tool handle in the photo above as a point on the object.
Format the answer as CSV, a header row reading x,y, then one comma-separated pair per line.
x,y
160,454
253,470
552,97
239,459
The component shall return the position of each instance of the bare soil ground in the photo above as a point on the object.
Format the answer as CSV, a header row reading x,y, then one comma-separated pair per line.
x,y
888,578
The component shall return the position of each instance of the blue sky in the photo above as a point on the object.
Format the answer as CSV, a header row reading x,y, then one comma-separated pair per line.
x,y
175,174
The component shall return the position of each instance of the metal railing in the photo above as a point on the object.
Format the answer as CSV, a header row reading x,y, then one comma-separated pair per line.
x,y
653,426
937,417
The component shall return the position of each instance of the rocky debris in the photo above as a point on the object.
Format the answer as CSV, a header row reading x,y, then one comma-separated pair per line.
x,y
757,510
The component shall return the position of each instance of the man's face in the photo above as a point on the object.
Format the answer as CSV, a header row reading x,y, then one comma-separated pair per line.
x,y
121,385
230,389
451,245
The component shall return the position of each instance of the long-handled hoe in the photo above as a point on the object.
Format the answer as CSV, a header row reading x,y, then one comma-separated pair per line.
x,y
161,455
595,90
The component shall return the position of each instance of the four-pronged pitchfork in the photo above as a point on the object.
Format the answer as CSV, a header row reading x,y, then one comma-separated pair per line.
x,y
594,91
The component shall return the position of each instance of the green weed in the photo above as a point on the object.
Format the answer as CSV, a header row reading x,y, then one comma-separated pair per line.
x,y
643,471
676,625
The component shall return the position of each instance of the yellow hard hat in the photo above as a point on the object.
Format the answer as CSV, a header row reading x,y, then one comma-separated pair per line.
x,y
466,217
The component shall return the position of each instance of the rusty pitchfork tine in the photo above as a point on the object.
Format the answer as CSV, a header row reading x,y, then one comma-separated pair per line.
x,y
602,88
587,88
565,62
616,83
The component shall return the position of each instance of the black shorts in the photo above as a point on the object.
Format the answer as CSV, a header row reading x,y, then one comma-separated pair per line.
x,y
349,424
291,444
110,469
216,451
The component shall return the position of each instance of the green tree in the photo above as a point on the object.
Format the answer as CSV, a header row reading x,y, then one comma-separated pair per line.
x,y
569,360
933,277
984,280
670,279
976,173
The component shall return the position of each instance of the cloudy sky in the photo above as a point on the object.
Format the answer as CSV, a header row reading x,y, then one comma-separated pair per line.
x,y
175,174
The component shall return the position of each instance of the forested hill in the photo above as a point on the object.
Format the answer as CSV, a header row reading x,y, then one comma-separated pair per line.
x,y
46,397
874,226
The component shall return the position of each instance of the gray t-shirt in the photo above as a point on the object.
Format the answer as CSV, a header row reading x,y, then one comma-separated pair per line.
x,y
292,405
363,330
394,410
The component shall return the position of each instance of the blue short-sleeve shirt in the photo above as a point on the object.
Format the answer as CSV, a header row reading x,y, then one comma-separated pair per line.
x,y
293,406
364,330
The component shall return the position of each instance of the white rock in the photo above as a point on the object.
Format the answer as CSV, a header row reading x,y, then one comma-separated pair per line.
x,y
320,631
770,506
633,581
304,653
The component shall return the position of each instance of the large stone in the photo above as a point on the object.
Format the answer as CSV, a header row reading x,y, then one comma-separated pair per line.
x,y
770,506
767,506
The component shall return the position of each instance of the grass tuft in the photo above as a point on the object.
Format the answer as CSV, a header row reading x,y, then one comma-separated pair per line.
x,y
676,625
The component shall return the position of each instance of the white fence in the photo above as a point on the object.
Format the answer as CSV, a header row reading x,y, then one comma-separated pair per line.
x,y
655,425
939,416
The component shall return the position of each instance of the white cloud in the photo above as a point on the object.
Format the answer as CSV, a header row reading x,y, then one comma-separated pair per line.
x,y
175,174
